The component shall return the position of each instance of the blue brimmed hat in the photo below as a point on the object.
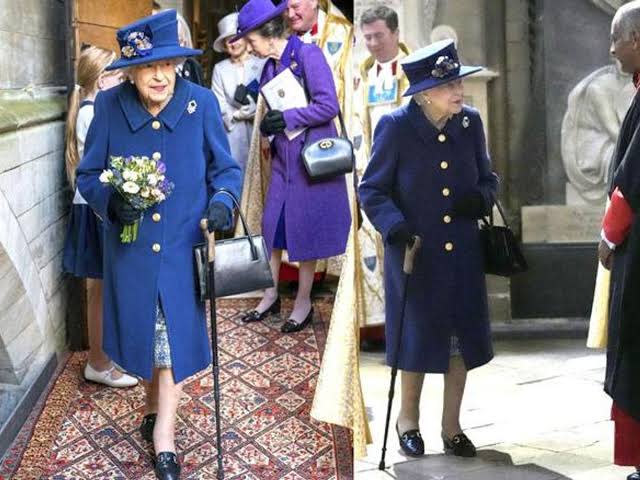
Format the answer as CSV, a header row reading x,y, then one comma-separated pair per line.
x,y
150,39
434,65
256,13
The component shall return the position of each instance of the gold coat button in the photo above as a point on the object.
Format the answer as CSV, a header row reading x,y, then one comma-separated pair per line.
x,y
444,165
446,219
446,192
442,138
156,247
448,246
156,156
156,217
155,125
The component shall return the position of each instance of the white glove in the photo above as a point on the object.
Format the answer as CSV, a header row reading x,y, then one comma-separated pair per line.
x,y
246,112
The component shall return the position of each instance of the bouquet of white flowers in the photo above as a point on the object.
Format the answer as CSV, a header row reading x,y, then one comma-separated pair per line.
x,y
141,182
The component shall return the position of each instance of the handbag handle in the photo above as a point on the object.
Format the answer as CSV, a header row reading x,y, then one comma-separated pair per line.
x,y
500,211
245,226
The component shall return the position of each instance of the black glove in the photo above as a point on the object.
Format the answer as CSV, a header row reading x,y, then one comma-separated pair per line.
x,y
122,211
272,123
471,205
240,95
218,216
400,234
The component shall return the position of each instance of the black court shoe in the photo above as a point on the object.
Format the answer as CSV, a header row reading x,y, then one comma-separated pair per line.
x,y
634,476
146,427
167,466
255,316
290,326
411,442
459,445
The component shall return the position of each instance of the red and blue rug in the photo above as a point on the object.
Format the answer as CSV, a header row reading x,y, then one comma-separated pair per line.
x,y
84,431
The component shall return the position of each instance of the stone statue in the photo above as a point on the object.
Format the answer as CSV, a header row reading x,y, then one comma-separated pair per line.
x,y
595,110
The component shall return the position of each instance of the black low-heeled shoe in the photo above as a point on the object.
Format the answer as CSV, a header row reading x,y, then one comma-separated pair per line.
x,y
634,476
255,316
459,445
411,442
291,326
146,427
167,466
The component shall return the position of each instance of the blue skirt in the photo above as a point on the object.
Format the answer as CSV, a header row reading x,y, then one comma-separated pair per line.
x,y
82,256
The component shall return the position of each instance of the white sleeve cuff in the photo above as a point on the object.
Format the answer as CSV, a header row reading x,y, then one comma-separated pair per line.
x,y
609,243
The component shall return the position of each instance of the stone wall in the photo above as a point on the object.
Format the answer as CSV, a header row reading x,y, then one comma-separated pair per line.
x,y
32,34
34,200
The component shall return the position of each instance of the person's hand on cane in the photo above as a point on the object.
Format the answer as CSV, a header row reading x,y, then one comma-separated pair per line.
x,y
401,234
218,217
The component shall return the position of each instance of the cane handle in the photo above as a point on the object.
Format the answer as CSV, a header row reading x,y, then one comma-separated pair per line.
x,y
210,237
410,254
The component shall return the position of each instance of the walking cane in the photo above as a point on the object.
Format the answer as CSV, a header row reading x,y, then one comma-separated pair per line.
x,y
211,258
409,258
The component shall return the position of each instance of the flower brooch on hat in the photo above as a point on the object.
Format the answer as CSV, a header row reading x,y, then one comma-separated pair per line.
x,y
138,44
444,66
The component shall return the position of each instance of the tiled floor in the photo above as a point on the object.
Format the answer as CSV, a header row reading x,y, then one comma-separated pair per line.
x,y
537,411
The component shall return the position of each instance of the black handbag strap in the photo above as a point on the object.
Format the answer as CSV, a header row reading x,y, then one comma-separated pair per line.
x,y
245,225
500,211
343,134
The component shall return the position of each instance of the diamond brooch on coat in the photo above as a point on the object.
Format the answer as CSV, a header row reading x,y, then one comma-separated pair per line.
x,y
465,122
191,107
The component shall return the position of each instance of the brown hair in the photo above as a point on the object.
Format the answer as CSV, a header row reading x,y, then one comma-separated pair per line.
x,y
91,65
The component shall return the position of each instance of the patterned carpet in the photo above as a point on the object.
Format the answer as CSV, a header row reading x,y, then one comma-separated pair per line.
x,y
85,431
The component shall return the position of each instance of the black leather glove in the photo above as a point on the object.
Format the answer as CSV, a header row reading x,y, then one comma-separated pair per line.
x,y
122,211
272,123
400,234
218,216
240,95
471,205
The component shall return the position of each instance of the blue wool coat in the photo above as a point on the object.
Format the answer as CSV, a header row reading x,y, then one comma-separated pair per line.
x,y
414,175
317,217
190,139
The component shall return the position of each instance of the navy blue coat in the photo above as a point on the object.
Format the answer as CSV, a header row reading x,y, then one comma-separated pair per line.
x,y
190,138
414,175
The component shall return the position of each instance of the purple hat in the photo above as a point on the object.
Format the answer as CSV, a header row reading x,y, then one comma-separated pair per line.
x,y
256,13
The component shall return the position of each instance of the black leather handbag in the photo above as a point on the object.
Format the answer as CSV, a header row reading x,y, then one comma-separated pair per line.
x,y
502,253
241,263
328,157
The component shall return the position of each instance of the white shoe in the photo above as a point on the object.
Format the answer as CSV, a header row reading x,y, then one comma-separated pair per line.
x,y
105,377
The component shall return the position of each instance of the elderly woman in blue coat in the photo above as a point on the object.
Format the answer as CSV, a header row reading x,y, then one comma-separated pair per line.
x,y
154,325
430,175
308,219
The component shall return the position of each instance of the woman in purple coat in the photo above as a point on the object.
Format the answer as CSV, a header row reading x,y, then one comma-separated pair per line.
x,y
310,220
